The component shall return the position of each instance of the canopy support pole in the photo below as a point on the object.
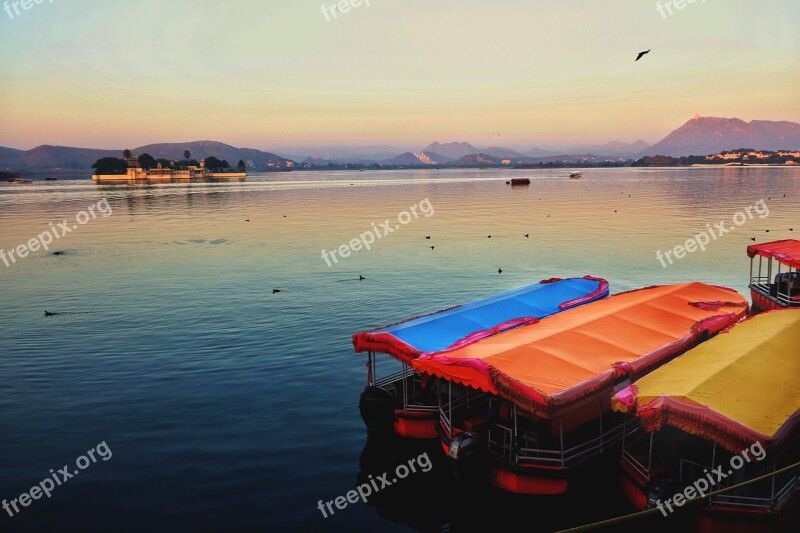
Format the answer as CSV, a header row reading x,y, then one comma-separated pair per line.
x,y
450,405
602,436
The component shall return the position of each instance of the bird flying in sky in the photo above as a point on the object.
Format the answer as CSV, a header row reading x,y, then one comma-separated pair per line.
x,y
641,55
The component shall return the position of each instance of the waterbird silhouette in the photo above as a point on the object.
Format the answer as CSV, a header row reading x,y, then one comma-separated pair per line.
x,y
527,236
641,55
753,239
275,290
499,270
428,237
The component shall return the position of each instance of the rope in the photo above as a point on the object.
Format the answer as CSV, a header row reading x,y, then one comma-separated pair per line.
x,y
640,514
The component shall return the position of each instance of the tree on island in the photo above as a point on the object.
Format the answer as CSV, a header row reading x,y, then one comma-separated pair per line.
x,y
241,166
110,165
213,164
187,163
147,161
126,153
7,175
165,163
187,155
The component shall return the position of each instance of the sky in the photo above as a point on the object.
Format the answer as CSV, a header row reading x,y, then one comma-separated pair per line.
x,y
277,73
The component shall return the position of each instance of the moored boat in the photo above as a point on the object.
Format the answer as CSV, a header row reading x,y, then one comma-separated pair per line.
x,y
576,175
730,407
520,181
775,275
404,401
529,409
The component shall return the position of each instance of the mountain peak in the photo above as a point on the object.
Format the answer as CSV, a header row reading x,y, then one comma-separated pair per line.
x,y
711,135
452,150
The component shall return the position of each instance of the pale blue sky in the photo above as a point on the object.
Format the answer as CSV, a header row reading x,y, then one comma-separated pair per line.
x,y
276,73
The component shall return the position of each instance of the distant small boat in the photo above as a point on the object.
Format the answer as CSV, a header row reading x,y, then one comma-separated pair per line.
x,y
50,179
19,180
520,181
575,175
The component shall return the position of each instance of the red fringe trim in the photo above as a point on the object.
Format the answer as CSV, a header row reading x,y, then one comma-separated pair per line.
x,y
706,423
716,306
601,289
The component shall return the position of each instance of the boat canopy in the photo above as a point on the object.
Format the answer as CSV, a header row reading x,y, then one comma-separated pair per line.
x,y
465,324
739,388
563,360
786,251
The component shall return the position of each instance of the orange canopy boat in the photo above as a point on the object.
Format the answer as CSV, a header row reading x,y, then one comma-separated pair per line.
x,y
547,387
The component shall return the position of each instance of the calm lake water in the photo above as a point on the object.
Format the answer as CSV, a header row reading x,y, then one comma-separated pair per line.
x,y
229,407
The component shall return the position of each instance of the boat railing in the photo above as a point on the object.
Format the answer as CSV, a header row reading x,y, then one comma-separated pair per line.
x,y
570,457
691,471
781,497
463,400
765,282
387,382
765,290
501,446
785,495
631,459
742,501
408,383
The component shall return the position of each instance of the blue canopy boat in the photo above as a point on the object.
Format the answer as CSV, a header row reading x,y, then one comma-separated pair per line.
x,y
405,402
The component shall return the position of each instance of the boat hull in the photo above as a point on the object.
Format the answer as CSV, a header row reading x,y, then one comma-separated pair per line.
x,y
416,424
714,518
763,304
536,480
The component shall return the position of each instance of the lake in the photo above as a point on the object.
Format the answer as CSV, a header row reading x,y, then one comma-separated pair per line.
x,y
228,406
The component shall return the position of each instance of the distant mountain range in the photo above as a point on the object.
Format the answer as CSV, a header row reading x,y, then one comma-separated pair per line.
x,y
454,150
711,135
699,136
48,157
418,158
613,148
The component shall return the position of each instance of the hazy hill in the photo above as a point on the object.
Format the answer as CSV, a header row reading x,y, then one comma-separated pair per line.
x,y
420,158
453,150
503,153
614,148
711,135
47,157
477,160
